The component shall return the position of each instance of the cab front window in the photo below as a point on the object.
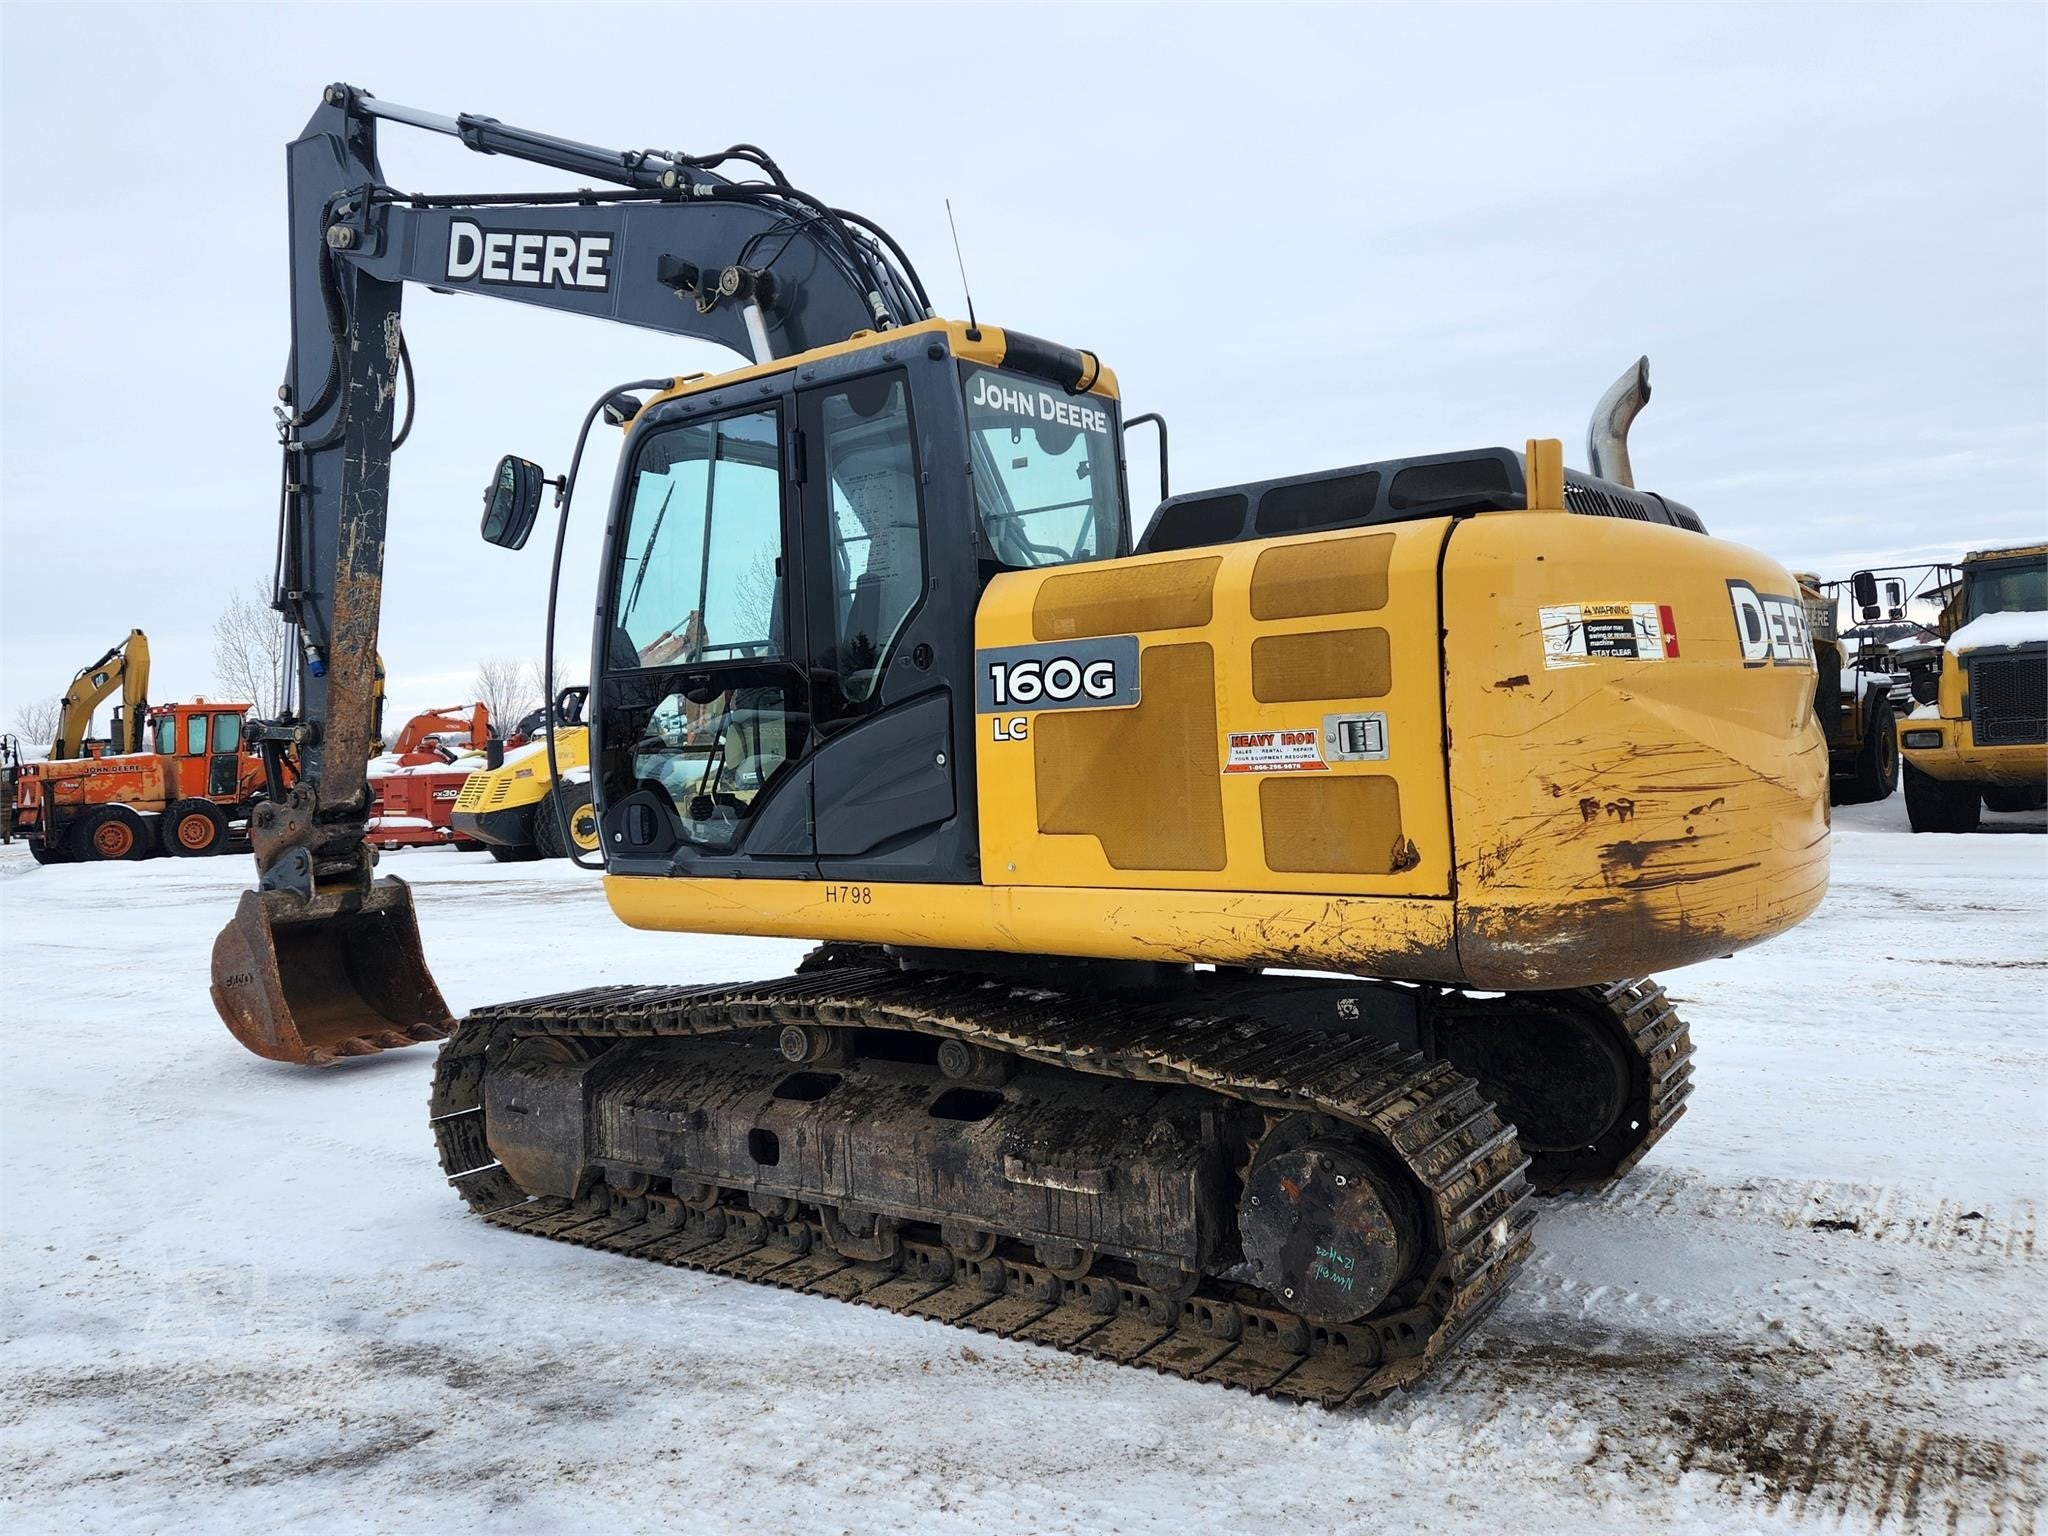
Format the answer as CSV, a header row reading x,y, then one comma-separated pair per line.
x,y
1045,469
2020,587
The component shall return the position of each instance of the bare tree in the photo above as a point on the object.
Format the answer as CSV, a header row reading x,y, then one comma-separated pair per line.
x,y
251,649
506,690
36,721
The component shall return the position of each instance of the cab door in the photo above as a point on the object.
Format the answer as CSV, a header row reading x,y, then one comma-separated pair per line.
x,y
705,714
224,759
882,770
194,760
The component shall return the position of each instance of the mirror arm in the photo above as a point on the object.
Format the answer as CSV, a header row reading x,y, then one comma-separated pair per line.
x,y
548,689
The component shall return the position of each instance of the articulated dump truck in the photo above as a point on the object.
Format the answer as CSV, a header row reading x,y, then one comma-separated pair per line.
x,y
880,662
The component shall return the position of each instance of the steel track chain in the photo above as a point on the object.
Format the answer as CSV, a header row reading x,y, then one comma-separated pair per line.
x,y
1659,1046
1465,1161
1640,1020
1662,1042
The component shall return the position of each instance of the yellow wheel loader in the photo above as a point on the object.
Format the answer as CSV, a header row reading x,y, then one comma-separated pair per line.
x,y
1852,699
520,809
879,662
1984,741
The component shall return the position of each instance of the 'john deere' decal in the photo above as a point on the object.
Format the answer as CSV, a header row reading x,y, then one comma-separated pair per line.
x,y
528,258
1771,629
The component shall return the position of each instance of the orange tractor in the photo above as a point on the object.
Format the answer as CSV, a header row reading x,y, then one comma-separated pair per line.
x,y
181,796
414,785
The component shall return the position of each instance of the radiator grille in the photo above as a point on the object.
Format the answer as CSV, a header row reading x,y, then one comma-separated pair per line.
x,y
1325,664
1296,581
1597,501
1319,824
1142,781
2009,699
1117,599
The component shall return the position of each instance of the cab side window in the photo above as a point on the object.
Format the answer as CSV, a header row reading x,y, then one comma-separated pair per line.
x,y
701,577
876,545
701,585
195,735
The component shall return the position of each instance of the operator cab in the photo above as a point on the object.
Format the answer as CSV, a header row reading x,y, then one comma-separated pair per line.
x,y
206,739
784,648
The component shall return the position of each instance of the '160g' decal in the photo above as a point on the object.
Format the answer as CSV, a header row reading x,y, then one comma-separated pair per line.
x,y
1099,673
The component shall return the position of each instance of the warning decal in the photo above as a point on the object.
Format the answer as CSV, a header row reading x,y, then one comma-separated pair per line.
x,y
1577,633
1274,751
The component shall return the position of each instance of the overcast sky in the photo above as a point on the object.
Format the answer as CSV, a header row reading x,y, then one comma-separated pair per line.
x,y
1309,236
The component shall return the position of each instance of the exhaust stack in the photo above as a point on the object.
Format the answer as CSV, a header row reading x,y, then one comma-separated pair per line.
x,y
1607,437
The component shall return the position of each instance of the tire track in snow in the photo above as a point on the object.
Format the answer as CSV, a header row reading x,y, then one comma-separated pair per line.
x,y
1811,1463
1697,1418
1866,1212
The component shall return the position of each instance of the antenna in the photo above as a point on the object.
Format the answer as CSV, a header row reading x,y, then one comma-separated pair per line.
x,y
973,328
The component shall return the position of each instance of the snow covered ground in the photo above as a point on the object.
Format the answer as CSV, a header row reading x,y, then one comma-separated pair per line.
x,y
239,1297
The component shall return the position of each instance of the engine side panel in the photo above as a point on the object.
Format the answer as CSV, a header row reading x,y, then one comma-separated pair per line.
x,y
1282,732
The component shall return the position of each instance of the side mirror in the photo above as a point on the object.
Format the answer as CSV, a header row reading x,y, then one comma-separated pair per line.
x,y
620,409
512,502
1865,587
569,704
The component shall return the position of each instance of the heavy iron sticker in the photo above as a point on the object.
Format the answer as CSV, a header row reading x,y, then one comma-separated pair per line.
x,y
1575,634
1288,750
1097,673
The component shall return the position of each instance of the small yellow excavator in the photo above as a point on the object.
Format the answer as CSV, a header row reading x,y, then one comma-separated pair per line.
x,y
125,668
880,661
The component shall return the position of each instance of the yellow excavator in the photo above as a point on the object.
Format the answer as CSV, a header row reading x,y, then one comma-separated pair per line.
x,y
124,668
880,662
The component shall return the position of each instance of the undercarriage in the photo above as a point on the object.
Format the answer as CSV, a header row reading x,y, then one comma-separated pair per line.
x,y
1287,1185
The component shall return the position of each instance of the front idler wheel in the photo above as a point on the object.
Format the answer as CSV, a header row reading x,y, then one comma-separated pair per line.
x,y
1326,1232
1558,1074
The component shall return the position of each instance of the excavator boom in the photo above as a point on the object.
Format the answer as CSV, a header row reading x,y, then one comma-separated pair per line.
x,y
323,960
124,667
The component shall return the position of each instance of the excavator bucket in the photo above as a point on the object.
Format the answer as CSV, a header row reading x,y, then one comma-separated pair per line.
x,y
310,982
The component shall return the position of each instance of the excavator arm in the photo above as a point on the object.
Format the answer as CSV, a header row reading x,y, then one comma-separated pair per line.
x,y
473,720
126,667
322,960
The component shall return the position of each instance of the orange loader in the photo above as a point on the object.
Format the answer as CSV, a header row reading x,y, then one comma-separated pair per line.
x,y
182,794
